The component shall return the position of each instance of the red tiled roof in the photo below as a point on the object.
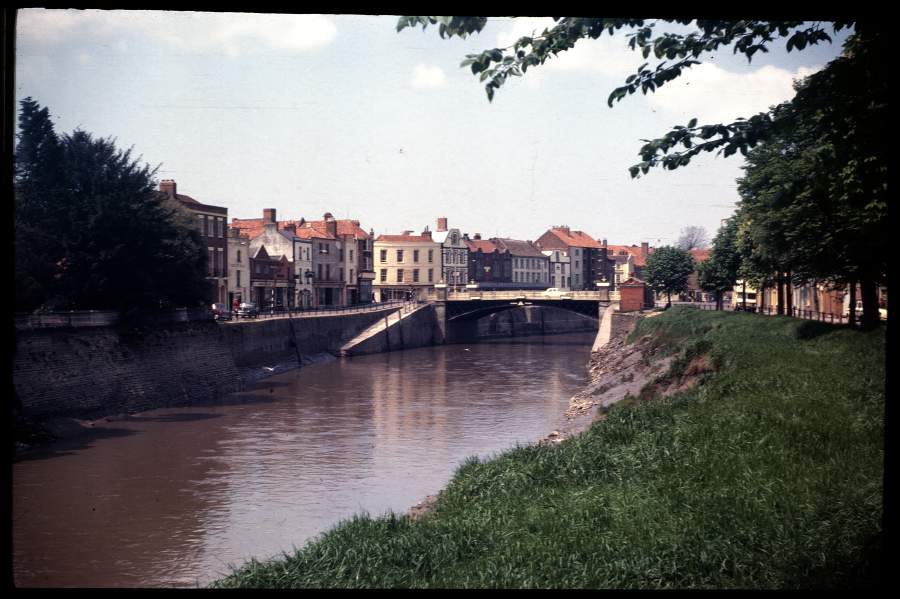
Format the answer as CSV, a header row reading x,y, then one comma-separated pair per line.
x,y
344,227
575,238
700,254
634,250
484,245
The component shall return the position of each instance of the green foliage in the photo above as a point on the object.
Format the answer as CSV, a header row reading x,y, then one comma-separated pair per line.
x,y
668,269
674,53
767,475
91,230
719,272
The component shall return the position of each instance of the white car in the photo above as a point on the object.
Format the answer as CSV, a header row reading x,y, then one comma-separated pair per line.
x,y
556,292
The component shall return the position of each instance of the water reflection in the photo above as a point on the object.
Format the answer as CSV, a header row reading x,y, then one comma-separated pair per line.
x,y
178,494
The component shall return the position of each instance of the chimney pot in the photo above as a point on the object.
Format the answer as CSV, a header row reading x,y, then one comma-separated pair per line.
x,y
168,187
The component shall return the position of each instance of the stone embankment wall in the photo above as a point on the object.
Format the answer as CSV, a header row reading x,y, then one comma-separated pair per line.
x,y
418,329
534,320
95,372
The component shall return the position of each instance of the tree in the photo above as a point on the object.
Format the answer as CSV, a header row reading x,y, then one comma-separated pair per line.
x,y
692,238
748,37
668,269
92,232
719,272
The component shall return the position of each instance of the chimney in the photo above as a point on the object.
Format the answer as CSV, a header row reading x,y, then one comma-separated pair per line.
x,y
476,236
330,224
268,215
466,236
235,231
290,228
645,249
407,232
426,233
441,224
604,242
167,186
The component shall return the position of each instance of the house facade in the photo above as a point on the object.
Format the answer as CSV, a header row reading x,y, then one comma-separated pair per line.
x,y
211,223
406,265
530,267
270,279
588,262
238,267
490,266
558,264
454,255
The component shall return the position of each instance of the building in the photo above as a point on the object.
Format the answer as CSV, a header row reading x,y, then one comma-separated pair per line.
x,y
454,255
588,262
530,267
490,266
407,265
211,222
634,267
271,277
332,259
558,264
694,292
238,266
355,248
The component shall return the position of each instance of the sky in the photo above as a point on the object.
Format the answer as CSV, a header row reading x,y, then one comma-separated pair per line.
x,y
310,114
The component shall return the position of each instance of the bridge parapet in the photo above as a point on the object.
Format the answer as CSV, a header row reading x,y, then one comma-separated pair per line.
x,y
516,294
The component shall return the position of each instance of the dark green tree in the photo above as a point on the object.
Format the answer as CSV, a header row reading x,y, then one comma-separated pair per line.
x,y
92,232
719,272
668,269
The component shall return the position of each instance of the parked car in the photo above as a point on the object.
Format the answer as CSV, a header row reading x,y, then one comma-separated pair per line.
x,y
556,292
248,310
221,312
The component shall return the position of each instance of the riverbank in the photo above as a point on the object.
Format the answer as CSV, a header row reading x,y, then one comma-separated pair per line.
x,y
752,457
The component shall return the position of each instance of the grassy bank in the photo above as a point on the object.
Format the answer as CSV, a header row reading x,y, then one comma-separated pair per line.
x,y
768,473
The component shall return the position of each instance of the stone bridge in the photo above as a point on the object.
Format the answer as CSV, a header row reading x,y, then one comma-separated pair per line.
x,y
457,312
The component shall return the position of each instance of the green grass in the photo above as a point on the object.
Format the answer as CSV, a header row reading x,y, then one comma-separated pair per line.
x,y
767,475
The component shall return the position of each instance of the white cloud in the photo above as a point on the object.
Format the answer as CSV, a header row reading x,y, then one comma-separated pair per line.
x,y
428,77
715,95
232,33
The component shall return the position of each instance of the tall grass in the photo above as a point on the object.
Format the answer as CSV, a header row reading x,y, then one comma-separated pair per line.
x,y
767,475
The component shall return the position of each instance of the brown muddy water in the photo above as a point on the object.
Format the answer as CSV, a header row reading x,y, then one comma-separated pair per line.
x,y
172,497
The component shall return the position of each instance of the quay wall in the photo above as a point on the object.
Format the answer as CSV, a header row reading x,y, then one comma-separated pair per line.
x,y
93,372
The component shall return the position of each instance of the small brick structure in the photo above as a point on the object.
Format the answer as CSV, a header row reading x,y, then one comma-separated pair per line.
x,y
631,295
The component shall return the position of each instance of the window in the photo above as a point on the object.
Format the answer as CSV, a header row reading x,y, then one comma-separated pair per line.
x,y
400,274
415,275
384,275
239,256
211,261
351,255
430,256
340,274
237,275
327,272
430,275
221,270
320,272
415,255
399,255
221,227
383,256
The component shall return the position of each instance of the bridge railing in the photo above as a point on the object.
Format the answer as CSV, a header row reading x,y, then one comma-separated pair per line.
x,y
515,294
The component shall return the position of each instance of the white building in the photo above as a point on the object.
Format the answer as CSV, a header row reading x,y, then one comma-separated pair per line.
x,y
454,254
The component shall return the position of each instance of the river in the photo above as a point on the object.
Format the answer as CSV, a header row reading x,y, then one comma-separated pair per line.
x,y
171,497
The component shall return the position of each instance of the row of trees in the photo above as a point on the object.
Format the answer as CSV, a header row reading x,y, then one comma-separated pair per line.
x,y
91,231
813,204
